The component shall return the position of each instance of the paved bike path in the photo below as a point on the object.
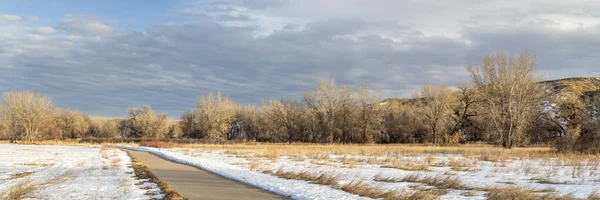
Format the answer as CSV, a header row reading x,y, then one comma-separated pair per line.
x,y
194,183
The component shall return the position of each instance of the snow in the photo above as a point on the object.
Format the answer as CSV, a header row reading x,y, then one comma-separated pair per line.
x,y
72,172
577,178
223,165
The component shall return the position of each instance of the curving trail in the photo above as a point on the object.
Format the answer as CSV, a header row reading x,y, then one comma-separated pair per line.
x,y
194,183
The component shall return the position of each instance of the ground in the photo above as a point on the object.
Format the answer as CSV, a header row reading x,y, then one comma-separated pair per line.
x,y
69,172
395,171
303,171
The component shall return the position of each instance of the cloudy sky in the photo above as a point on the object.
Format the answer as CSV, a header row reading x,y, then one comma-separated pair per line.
x,y
102,56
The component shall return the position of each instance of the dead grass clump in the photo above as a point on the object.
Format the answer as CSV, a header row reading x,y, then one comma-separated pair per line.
x,y
468,194
407,166
142,172
20,174
116,162
322,179
417,195
325,179
546,181
462,165
595,195
512,192
379,177
412,178
37,164
362,189
444,182
20,190
439,181
516,192
107,147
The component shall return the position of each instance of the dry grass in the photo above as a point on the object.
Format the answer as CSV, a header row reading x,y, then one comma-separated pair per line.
x,y
468,194
37,164
412,178
20,175
20,190
462,164
407,166
320,151
417,195
116,162
521,193
444,182
142,172
439,181
24,187
541,180
595,195
379,177
362,189
321,179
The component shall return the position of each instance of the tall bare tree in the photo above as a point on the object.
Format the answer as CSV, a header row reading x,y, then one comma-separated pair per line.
x,y
370,114
330,105
27,112
436,109
465,112
510,93
218,113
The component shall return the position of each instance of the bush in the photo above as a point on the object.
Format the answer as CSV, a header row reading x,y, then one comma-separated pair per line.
x,y
583,140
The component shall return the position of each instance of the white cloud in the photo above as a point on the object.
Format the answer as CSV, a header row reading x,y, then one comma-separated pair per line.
x,y
43,30
9,18
85,25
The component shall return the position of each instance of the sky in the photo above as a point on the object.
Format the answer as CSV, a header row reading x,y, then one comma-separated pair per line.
x,y
100,57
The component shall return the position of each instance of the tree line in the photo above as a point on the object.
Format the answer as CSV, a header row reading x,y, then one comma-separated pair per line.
x,y
504,104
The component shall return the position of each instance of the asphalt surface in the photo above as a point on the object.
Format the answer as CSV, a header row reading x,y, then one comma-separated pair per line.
x,y
195,183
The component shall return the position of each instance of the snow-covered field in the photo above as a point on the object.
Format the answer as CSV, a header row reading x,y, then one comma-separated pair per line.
x,y
475,174
70,172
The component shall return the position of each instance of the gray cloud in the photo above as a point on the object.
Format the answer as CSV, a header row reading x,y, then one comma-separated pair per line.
x,y
258,50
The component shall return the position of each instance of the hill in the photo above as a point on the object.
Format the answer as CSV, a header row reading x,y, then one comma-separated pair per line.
x,y
589,87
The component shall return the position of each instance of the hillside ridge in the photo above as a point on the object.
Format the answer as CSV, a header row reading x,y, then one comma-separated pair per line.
x,y
583,85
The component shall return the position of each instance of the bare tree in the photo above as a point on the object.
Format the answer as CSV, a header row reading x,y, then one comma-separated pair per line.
x,y
109,129
510,93
571,111
190,125
248,122
436,109
370,114
9,125
218,113
464,112
71,124
29,111
331,107
287,114
142,121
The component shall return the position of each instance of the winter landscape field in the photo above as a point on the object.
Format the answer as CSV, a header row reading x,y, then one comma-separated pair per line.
x,y
69,172
307,171
397,171
299,99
